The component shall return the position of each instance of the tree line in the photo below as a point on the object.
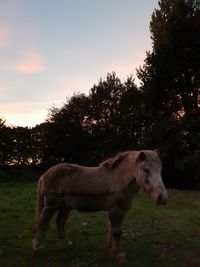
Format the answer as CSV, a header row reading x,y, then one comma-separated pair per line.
x,y
162,112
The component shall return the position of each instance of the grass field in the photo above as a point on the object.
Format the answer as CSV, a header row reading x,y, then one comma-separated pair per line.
x,y
163,236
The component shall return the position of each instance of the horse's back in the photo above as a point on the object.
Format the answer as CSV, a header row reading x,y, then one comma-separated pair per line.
x,y
71,178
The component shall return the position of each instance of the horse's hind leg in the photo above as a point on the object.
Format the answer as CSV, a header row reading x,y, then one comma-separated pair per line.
x,y
61,219
114,235
44,219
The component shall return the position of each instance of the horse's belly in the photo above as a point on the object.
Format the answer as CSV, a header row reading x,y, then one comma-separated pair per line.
x,y
90,202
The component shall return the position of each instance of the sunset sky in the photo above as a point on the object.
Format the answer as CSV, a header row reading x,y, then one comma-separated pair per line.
x,y
50,49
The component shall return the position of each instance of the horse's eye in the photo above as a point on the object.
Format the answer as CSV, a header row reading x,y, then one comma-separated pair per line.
x,y
146,171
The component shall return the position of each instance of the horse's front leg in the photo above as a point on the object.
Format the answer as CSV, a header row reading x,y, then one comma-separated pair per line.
x,y
61,219
114,234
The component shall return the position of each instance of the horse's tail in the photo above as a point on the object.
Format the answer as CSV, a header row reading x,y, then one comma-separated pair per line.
x,y
39,208
39,201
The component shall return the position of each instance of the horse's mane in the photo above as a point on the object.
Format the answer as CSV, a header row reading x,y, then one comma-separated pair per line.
x,y
112,163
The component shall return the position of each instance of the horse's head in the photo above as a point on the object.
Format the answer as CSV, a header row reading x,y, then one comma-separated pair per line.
x,y
149,176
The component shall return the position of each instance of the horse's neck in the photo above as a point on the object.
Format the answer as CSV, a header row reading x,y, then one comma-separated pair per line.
x,y
124,174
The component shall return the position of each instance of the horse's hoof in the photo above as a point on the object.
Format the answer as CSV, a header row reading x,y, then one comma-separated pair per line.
x,y
64,244
37,246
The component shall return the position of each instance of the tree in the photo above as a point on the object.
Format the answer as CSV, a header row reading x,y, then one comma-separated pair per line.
x,y
111,116
66,138
130,121
171,83
103,115
38,144
4,141
20,143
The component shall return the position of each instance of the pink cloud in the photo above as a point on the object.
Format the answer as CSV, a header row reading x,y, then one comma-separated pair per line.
x,y
29,62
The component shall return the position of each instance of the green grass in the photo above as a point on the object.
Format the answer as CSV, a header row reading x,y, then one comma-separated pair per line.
x,y
164,236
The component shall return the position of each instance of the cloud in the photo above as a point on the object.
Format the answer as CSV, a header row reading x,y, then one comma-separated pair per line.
x,y
28,62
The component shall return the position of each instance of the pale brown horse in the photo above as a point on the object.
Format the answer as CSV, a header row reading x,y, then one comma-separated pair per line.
x,y
108,187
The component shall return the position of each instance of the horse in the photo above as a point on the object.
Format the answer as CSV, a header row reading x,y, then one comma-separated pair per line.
x,y
110,187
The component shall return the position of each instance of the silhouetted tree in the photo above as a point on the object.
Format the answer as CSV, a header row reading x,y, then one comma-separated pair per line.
x,y
38,144
4,142
103,115
171,84
20,142
111,118
66,139
131,122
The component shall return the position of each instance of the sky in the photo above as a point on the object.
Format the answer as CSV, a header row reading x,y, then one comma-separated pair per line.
x,y
51,49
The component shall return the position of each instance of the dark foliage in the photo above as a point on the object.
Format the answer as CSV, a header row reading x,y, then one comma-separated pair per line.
x,y
171,89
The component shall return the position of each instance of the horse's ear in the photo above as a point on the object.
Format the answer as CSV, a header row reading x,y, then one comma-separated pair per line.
x,y
142,156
